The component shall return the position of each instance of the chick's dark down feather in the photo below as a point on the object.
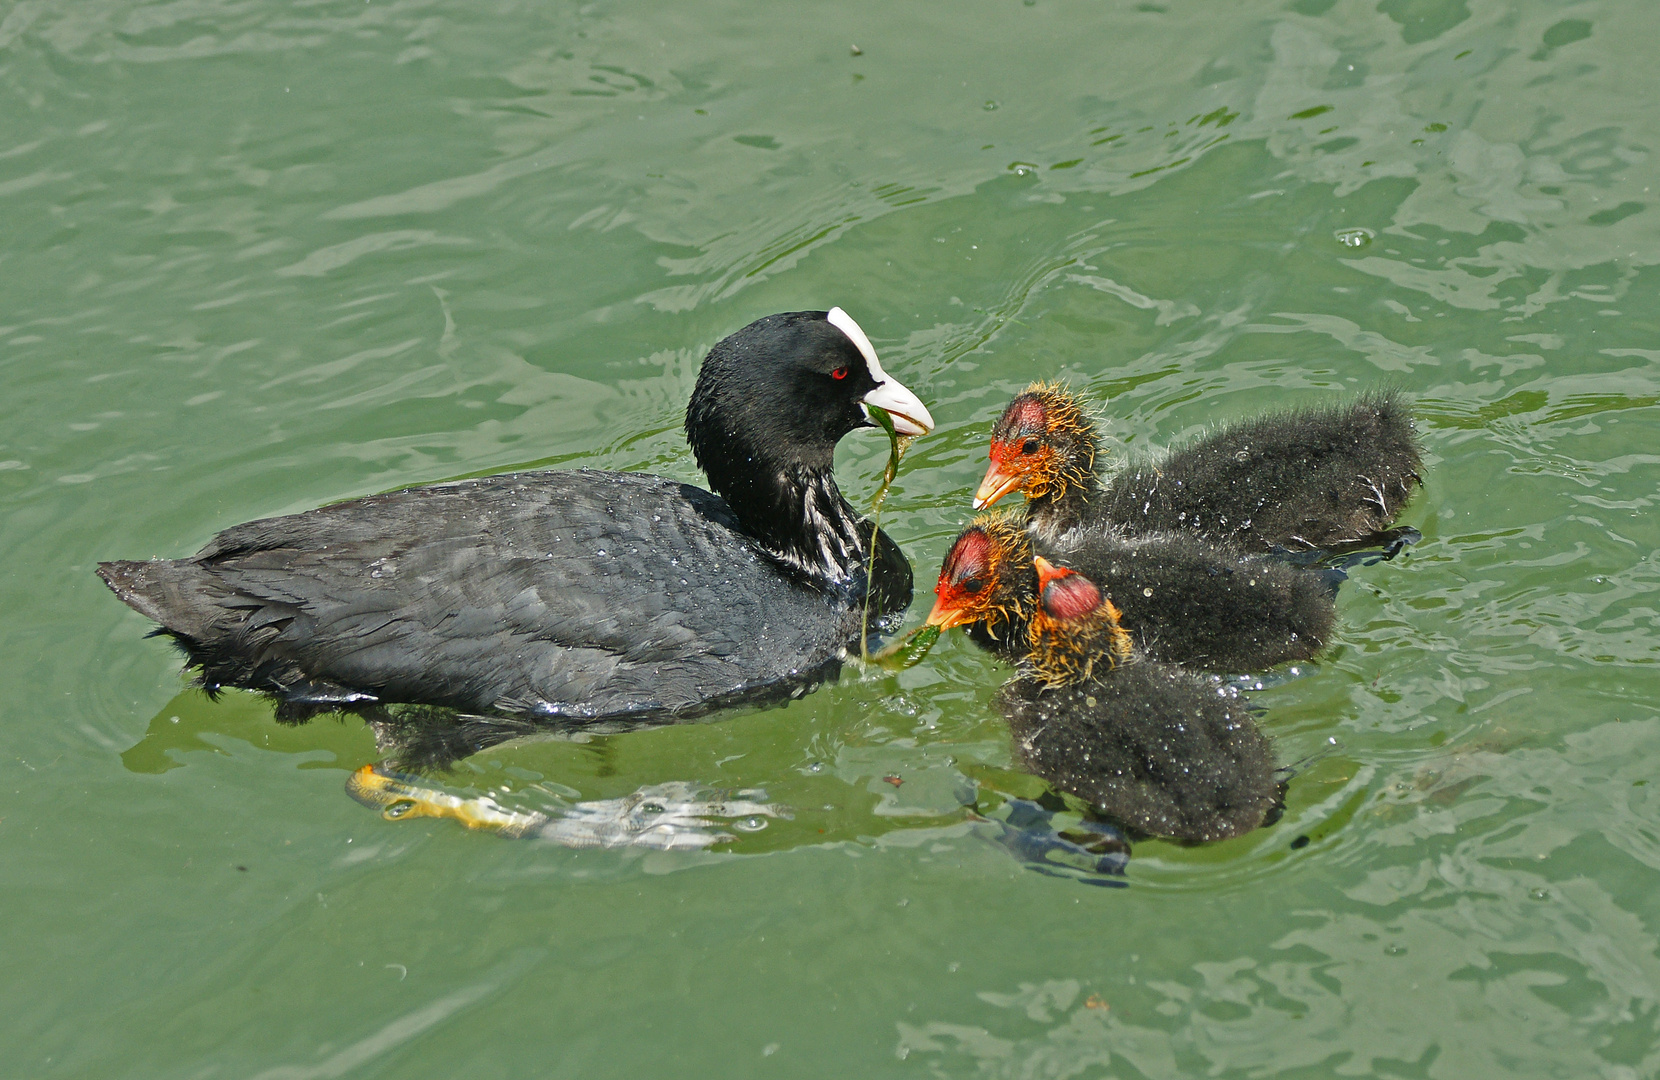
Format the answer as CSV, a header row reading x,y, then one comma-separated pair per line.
x,y
1150,746
1207,605
1300,480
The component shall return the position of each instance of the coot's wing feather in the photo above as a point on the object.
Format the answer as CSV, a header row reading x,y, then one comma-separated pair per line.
x,y
578,594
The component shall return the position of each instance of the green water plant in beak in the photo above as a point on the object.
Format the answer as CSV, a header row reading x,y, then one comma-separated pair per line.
x,y
910,649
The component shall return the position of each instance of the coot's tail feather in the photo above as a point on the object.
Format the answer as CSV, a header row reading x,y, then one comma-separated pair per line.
x,y
166,591
223,638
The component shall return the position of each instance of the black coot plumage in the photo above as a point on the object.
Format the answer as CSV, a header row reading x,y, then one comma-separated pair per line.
x,y
1300,480
1182,599
571,596
1151,746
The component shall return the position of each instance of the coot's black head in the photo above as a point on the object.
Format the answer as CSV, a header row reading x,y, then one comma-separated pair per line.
x,y
783,390
769,406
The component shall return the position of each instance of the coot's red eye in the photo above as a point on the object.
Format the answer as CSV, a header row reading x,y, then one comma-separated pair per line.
x,y
839,373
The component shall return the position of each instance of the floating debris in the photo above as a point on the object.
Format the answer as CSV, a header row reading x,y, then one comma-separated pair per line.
x,y
1356,237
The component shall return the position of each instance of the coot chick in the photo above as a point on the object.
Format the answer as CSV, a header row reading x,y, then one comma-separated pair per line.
x,y
1299,480
1150,746
1183,600
571,596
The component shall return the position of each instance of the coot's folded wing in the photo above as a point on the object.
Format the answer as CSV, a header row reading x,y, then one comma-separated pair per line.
x,y
579,594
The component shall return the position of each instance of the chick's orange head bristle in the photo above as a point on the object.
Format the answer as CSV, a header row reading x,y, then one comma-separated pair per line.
x,y
969,588
1019,448
1044,443
1075,632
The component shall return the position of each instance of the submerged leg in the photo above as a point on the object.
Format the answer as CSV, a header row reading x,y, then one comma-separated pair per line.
x,y
399,797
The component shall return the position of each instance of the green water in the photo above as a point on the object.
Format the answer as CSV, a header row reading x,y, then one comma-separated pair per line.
x,y
257,256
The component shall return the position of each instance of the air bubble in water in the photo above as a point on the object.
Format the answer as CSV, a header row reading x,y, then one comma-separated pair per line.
x,y
1356,237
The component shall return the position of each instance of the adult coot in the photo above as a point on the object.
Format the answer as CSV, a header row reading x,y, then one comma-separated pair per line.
x,y
1151,746
1314,479
571,596
1182,599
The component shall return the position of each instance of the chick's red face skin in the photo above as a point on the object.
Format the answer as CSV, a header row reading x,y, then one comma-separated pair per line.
x,y
1019,452
1070,597
963,580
